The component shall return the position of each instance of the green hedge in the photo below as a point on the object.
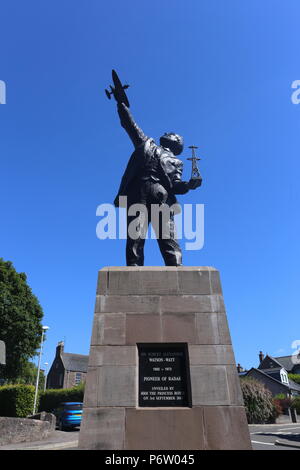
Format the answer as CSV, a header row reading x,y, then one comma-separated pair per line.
x,y
294,378
16,400
51,398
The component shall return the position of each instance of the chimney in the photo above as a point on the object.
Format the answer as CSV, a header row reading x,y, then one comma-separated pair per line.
x,y
239,368
60,348
261,357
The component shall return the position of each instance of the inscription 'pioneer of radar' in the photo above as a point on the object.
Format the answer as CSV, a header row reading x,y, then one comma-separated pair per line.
x,y
164,378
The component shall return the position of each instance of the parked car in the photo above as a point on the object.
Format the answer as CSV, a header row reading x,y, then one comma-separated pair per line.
x,y
68,415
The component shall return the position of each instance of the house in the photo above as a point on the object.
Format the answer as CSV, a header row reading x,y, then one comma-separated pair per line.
x,y
67,370
240,369
290,363
273,373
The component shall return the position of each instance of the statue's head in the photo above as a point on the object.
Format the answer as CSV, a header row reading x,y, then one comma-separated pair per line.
x,y
172,141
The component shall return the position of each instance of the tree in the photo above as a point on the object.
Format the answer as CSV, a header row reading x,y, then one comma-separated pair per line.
x,y
28,375
20,320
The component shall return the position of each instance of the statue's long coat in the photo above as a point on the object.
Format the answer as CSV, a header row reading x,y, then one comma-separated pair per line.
x,y
170,172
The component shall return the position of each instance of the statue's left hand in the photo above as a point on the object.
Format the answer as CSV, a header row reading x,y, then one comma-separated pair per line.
x,y
195,183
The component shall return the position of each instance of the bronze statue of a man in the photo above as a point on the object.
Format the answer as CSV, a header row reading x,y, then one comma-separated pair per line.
x,y
153,176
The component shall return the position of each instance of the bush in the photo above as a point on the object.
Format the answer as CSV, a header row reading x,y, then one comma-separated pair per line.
x,y
258,402
284,401
16,401
296,404
280,396
51,398
278,407
287,402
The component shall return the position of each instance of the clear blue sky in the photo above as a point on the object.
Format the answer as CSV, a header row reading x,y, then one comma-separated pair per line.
x,y
218,72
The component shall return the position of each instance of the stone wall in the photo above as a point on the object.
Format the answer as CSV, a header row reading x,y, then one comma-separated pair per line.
x,y
14,430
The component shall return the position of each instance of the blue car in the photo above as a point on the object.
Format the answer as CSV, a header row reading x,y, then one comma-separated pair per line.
x,y
68,415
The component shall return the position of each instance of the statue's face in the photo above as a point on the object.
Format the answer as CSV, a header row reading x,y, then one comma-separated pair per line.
x,y
172,141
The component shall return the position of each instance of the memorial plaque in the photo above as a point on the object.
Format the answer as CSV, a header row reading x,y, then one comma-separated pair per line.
x,y
164,375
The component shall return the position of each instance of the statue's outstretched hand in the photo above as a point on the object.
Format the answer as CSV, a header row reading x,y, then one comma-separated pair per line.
x,y
194,183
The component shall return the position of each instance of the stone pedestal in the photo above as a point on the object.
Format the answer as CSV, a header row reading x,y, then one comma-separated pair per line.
x,y
137,307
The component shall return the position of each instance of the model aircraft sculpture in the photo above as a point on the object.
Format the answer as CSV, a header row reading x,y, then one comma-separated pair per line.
x,y
118,90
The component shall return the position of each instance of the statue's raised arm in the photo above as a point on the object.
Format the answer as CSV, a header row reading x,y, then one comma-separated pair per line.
x,y
136,134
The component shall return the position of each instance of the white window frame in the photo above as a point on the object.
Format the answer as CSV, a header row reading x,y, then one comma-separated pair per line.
x,y
78,375
284,377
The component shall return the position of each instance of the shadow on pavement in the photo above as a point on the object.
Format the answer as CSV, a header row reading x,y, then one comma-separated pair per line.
x,y
285,436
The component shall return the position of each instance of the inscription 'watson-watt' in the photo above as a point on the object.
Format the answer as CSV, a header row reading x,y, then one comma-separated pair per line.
x,y
164,378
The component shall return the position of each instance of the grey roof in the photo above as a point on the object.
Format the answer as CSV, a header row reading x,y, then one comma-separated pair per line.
x,y
272,370
286,362
283,361
269,376
274,359
75,362
292,385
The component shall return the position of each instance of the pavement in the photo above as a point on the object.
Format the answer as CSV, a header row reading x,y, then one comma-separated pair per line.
x,y
283,435
275,436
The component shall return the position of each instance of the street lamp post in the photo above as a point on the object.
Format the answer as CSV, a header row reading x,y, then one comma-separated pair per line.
x,y
46,374
44,328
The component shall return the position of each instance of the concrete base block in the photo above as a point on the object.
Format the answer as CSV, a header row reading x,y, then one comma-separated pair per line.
x,y
162,307
161,429
102,428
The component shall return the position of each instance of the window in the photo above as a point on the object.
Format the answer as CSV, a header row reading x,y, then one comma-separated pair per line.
x,y
284,377
78,378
